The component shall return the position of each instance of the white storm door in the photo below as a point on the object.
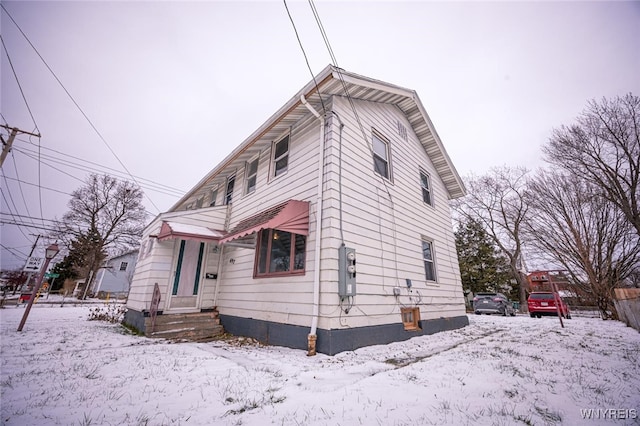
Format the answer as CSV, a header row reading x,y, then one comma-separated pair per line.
x,y
186,282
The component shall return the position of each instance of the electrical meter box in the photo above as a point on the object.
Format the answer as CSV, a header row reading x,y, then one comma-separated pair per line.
x,y
346,271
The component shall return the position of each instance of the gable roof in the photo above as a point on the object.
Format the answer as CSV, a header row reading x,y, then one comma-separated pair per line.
x,y
332,81
133,252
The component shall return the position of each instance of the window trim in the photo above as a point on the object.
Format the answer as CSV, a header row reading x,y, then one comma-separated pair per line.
x,y
274,160
432,260
268,259
387,143
229,199
429,188
214,196
247,177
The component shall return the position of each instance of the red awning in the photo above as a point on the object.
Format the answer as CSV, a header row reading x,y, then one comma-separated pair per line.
x,y
174,230
290,216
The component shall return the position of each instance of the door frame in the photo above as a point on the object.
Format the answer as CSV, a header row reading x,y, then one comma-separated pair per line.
x,y
176,267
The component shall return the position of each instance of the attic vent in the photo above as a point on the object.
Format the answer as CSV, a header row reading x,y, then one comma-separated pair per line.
x,y
402,131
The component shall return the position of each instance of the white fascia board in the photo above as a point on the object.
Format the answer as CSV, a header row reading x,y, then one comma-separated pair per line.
x,y
441,147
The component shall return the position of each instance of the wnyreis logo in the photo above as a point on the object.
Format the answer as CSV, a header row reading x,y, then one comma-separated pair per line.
x,y
608,413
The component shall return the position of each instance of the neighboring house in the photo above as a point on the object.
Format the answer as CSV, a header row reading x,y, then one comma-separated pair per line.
x,y
115,277
328,228
544,280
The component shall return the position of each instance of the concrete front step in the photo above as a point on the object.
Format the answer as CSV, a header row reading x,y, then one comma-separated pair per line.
x,y
194,326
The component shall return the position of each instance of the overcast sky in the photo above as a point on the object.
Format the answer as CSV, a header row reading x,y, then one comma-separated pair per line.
x,y
173,87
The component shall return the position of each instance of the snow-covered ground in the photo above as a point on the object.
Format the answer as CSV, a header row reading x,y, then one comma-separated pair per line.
x,y
63,369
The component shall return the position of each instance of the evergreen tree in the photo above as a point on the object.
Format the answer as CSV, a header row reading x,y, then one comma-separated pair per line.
x,y
482,268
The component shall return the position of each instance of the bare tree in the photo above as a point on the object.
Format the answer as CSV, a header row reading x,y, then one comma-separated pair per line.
x,y
104,214
570,221
497,200
603,148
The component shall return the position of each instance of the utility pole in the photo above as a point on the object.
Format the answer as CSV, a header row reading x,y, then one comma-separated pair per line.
x,y
6,146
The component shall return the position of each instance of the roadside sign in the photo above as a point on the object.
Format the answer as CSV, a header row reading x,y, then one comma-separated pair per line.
x,y
33,264
50,275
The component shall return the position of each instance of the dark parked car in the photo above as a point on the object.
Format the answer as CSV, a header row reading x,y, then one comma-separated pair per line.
x,y
492,303
544,303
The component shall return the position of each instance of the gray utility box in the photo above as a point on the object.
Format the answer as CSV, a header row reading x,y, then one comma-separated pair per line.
x,y
346,271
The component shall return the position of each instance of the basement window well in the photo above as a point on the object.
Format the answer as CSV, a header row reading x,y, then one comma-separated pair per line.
x,y
410,318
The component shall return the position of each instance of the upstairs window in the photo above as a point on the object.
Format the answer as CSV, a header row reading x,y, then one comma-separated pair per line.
x,y
228,198
429,264
425,183
214,196
281,156
380,155
251,174
280,253
123,266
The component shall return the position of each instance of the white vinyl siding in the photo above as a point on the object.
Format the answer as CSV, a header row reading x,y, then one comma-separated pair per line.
x,y
155,266
381,221
279,299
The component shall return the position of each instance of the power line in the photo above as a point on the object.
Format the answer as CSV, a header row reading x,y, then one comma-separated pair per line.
x,y
31,217
54,168
81,167
357,117
83,163
19,185
18,81
26,225
13,251
305,55
35,184
9,207
6,51
74,102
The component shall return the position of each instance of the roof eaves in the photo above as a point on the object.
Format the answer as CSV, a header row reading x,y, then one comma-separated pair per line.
x,y
458,189
307,90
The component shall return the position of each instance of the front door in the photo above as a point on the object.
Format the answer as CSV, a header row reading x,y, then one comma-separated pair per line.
x,y
186,281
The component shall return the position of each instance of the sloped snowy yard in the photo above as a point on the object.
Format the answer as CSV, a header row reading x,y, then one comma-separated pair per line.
x,y
63,369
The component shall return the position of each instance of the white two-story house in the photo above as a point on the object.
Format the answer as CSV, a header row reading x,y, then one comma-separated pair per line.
x,y
327,229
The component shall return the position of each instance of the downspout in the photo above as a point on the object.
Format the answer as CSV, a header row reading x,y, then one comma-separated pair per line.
x,y
312,337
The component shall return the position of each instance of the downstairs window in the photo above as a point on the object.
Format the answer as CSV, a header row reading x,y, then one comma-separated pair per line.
x,y
279,253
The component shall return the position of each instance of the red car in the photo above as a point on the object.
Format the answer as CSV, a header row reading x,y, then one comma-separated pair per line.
x,y
544,303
